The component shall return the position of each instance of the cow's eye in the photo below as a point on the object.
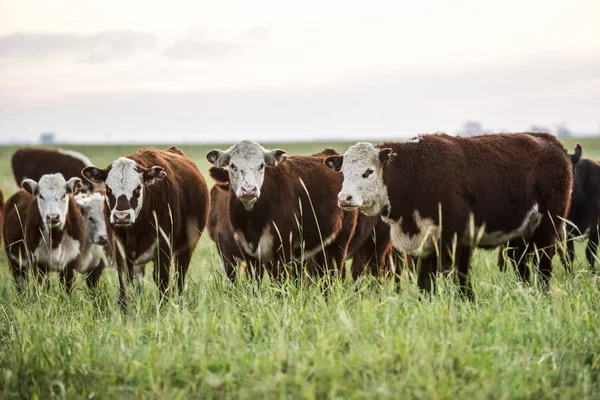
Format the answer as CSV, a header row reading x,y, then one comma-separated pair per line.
x,y
233,167
261,167
91,220
367,173
136,192
41,197
108,191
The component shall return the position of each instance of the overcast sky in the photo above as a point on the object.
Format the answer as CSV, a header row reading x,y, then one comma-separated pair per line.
x,y
278,70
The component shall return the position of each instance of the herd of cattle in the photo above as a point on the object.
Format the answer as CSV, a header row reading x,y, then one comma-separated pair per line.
x,y
428,202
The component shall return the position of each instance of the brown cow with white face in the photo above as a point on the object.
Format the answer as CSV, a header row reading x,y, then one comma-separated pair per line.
x,y
443,196
44,230
283,209
157,205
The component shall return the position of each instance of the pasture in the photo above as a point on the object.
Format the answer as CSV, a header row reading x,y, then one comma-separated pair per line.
x,y
285,341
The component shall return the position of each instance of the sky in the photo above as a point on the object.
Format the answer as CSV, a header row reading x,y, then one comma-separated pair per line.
x,y
221,71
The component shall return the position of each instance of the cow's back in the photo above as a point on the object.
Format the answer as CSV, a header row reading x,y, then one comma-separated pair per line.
x,y
182,196
32,163
498,178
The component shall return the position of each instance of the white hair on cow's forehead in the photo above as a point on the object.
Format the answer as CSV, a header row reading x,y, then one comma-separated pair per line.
x,y
361,152
247,150
52,185
123,177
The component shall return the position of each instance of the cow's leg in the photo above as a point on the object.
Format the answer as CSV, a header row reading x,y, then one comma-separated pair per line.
x,y
427,273
360,261
41,273
123,273
462,267
94,275
519,253
19,271
592,249
183,263
544,241
229,267
571,252
566,256
67,275
502,258
162,267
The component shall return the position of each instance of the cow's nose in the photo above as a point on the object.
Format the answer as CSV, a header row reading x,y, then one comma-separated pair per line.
x,y
345,200
52,218
248,191
122,217
102,240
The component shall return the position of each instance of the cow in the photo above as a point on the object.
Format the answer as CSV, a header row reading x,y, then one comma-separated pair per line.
x,y
33,162
283,210
94,258
157,206
584,215
44,230
443,196
219,227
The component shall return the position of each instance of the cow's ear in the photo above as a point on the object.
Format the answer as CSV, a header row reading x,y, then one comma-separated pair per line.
x,y
218,158
94,174
30,186
153,174
386,155
575,157
73,185
274,157
334,163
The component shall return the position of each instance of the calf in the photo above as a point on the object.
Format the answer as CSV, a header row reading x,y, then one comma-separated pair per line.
x,y
44,229
219,227
284,209
32,163
94,258
584,215
443,196
158,206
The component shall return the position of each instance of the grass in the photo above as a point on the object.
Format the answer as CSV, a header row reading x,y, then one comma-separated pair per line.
x,y
283,342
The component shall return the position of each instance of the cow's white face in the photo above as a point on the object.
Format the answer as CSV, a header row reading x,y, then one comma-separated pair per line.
x,y
125,183
363,188
52,193
92,209
246,161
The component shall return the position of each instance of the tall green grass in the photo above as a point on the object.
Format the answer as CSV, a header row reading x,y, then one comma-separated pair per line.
x,y
280,341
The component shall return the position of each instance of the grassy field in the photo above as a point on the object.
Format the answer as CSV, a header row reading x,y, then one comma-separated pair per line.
x,y
283,342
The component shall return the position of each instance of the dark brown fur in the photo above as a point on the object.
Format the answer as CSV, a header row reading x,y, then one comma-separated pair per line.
x,y
279,206
219,227
23,232
180,201
584,214
32,163
370,247
498,178
1,214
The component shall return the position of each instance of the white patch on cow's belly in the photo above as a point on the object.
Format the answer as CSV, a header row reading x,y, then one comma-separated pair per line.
x,y
91,258
57,258
310,253
419,244
264,249
146,256
497,238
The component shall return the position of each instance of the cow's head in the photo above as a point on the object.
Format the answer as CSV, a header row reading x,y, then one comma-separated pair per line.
x,y
52,193
246,161
363,188
92,209
125,183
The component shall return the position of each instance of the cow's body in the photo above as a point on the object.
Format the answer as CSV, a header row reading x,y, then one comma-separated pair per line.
x,y
158,207
516,187
34,246
32,163
277,223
